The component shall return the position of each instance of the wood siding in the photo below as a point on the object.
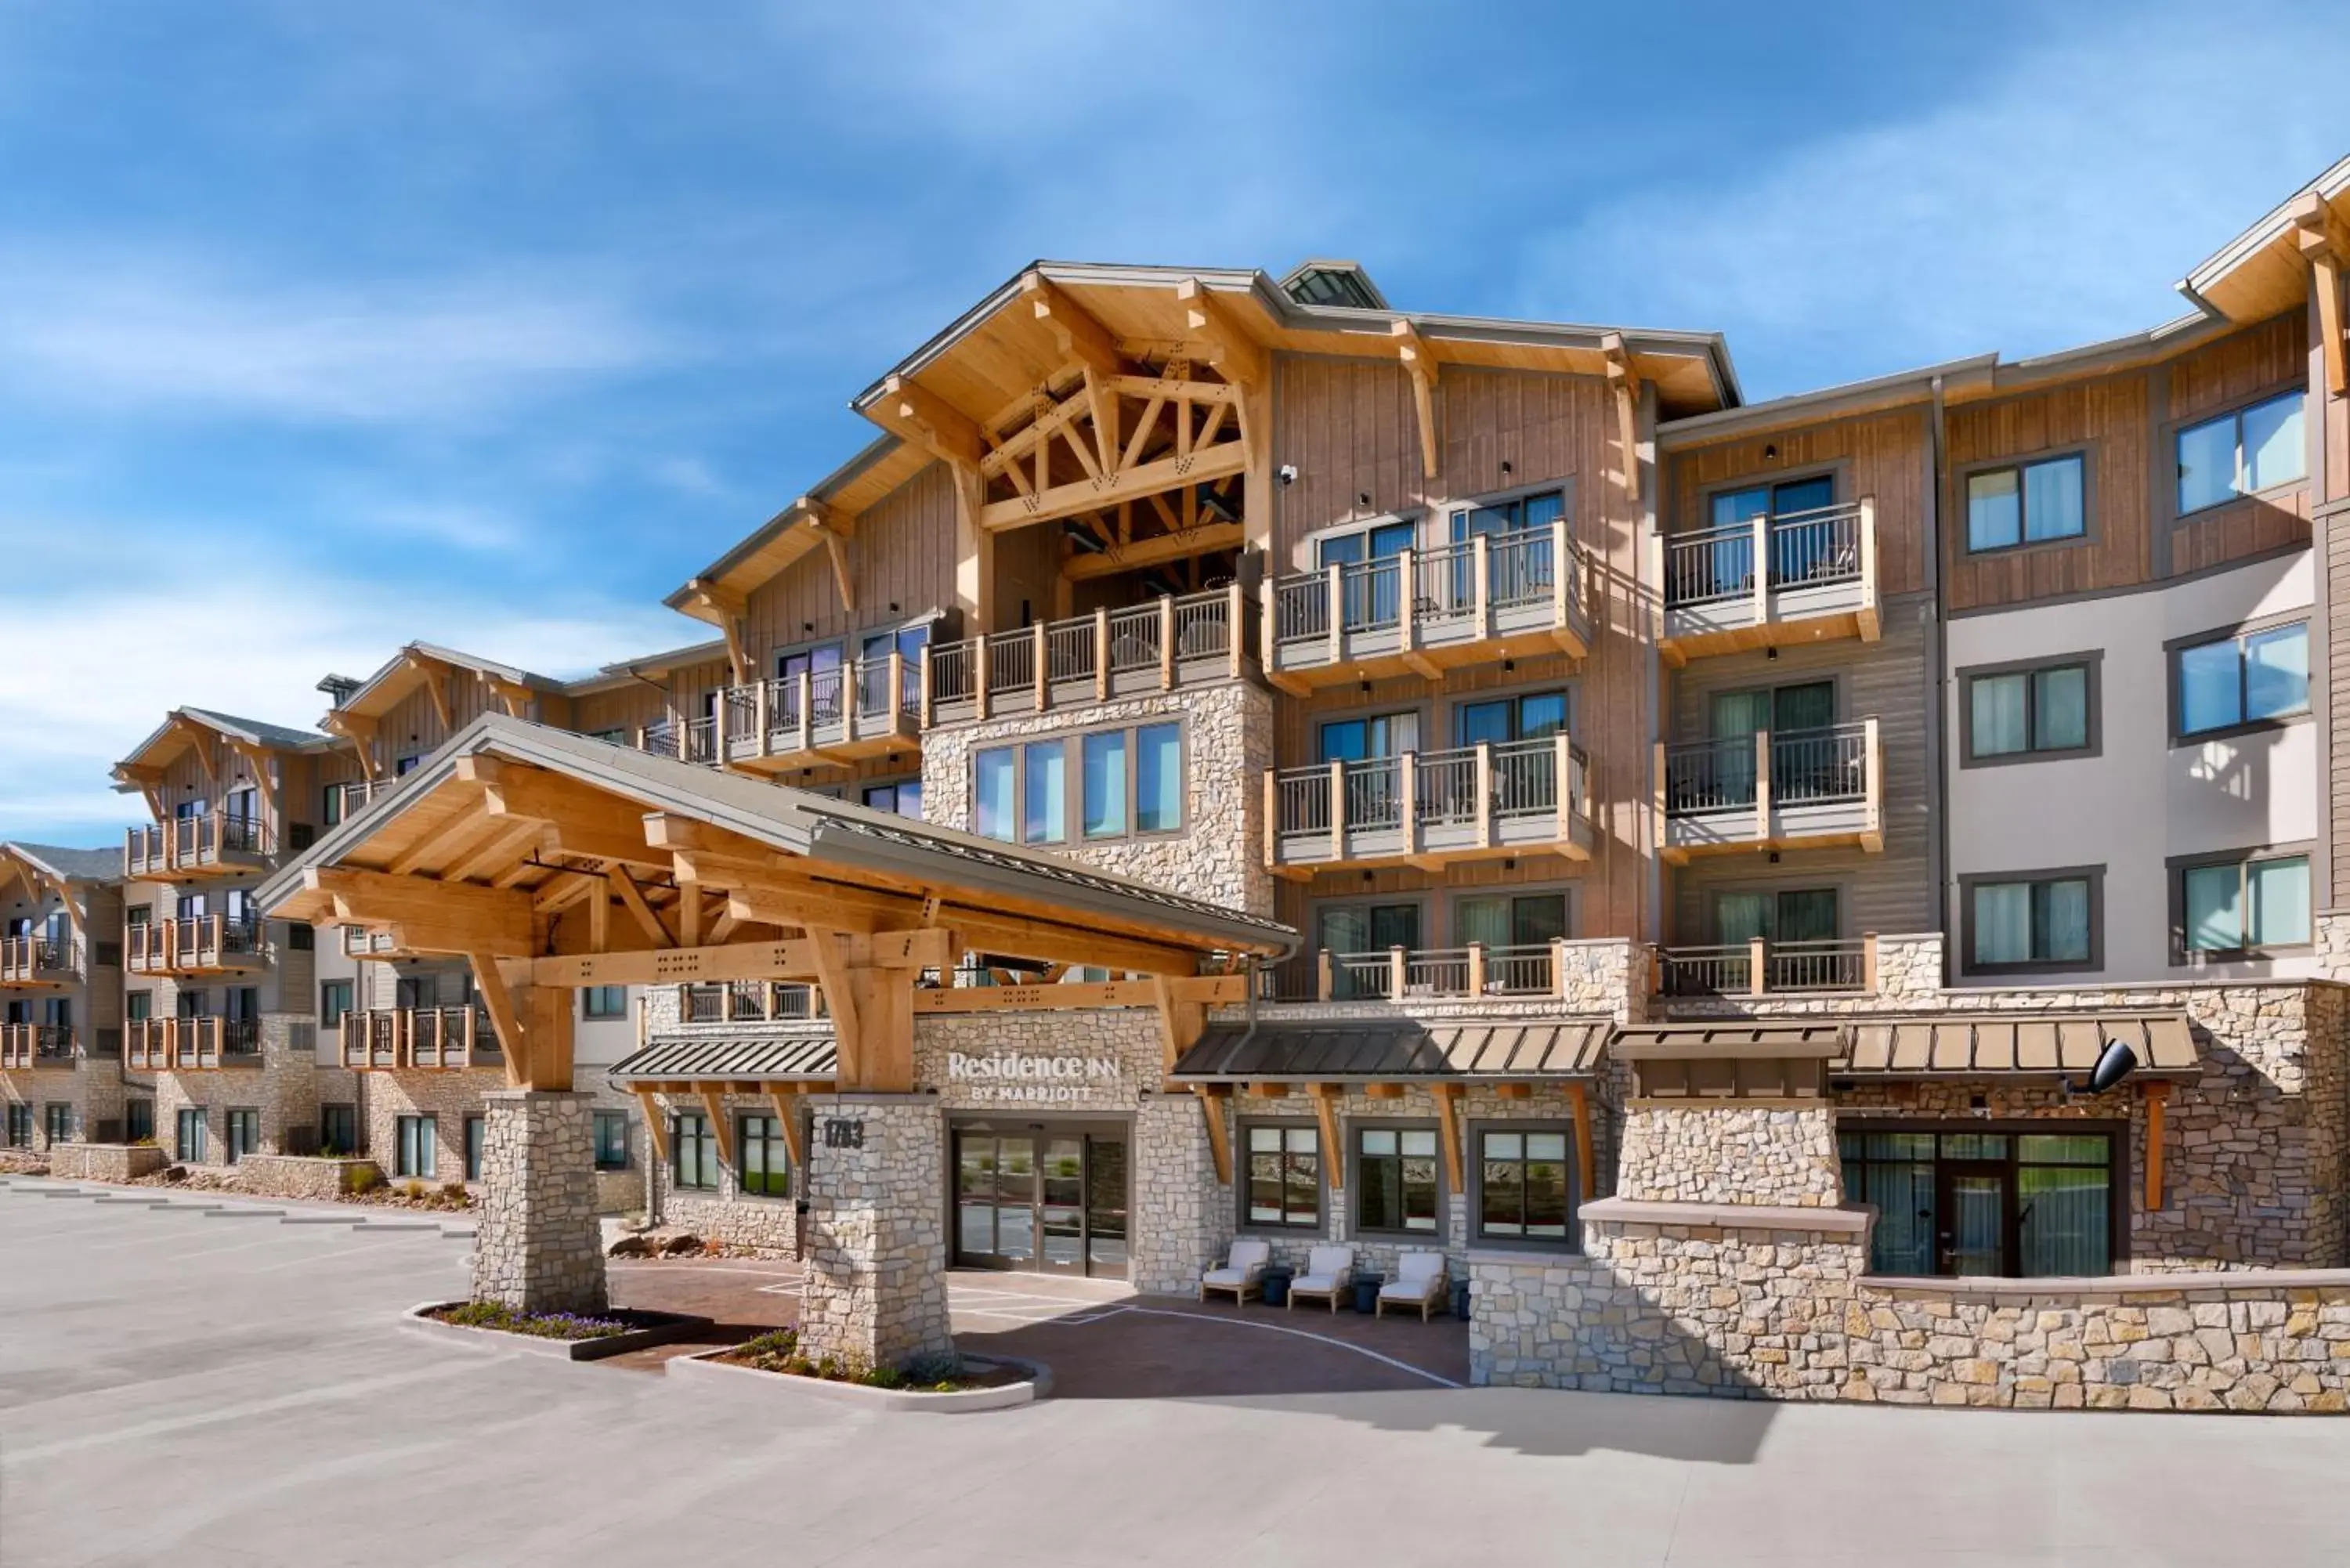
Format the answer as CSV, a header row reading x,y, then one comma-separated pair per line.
x,y
2237,369
903,554
1886,457
1348,426
2108,420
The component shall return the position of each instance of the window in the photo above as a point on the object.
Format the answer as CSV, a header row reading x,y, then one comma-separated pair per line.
x,y
2244,906
903,797
330,804
1284,1176
405,766
416,1151
1981,1202
611,1140
1395,1179
1509,920
301,937
1128,781
334,1001
477,1139
1529,716
139,1121
1522,1187
603,1002
338,1129
20,1126
1365,934
1514,516
244,1126
2012,714
190,1147
1372,736
2241,453
2026,504
694,1152
56,1121
2051,921
766,1157
2245,678
1781,915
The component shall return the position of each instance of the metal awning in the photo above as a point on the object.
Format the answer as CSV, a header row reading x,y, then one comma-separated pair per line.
x,y
1329,1049
2003,1044
766,1059
1718,1041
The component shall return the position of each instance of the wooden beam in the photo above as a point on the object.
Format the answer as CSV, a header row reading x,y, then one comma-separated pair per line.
x,y
1075,329
689,914
378,897
490,984
656,1125
454,841
1385,1091
1180,1020
1586,1156
1165,547
920,417
1219,1142
1326,1115
785,1105
1089,495
1448,1116
632,899
2156,1095
1202,990
797,958
1625,382
1208,320
831,966
1420,365
433,672
713,1105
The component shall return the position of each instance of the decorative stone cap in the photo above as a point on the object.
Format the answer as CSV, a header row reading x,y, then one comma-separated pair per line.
x,y
1852,1219
2262,1280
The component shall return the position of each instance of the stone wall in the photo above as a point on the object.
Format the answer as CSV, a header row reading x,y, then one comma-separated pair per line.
x,y
307,1176
1228,739
448,1095
105,1161
538,1247
874,1292
1731,1155
43,1088
729,1214
283,1086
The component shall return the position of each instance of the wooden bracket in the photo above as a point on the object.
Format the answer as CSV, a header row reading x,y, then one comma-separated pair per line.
x,y
1326,1115
1448,1116
713,1105
1421,364
2156,1092
1211,1099
656,1125
786,1104
1586,1159
1625,381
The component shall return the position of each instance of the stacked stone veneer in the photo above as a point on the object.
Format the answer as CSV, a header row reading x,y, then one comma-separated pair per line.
x,y
105,1161
303,1176
1742,1154
538,1247
1219,855
284,1088
446,1095
765,1221
874,1291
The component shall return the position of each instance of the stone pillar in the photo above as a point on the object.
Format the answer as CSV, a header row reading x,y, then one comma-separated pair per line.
x,y
874,1289
539,1248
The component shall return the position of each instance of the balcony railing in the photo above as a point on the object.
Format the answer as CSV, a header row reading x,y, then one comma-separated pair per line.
x,y
1816,787
195,944
352,798
191,846
39,960
403,1038
31,1046
1429,807
749,1000
1760,967
1392,974
191,1044
840,715
1174,642
1795,577
1493,597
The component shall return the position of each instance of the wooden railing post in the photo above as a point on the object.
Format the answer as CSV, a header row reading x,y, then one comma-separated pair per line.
x,y
762,703
808,707
1481,576
1762,569
979,663
1484,794
1761,784
1271,820
1562,568
1101,655
1321,986
1407,606
1041,645
1868,963
1874,762
1754,962
1235,602
684,733
1558,968
897,689
1396,968
1658,805
1869,617
1337,811
1407,798
1562,751
930,688
1166,642
1267,598
1337,578
1476,968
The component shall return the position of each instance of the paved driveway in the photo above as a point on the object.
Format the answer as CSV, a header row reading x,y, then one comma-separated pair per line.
x,y
187,1390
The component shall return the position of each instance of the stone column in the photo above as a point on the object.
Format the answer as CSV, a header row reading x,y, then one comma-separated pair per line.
x,y
539,1248
874,1290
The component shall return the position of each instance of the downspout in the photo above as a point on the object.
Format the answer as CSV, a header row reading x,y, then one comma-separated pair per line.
x,y
1938,843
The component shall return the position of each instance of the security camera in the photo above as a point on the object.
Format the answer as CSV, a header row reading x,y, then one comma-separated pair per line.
x,y
1287,473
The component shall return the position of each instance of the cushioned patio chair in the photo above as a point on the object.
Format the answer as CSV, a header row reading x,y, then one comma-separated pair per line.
x,y
1242,1273
1420,1282
1329,1273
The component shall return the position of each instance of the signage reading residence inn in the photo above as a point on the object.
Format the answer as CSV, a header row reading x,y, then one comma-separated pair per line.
x,y
1006,1077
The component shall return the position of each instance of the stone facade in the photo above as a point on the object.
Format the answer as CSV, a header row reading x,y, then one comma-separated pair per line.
x,y
874,1292
768,1222
447,1095
1764,1155
305,1177
105,1161
283,1088
538,1247
1218,856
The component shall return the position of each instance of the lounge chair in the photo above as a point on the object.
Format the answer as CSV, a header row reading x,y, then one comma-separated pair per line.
x,y
1242,1273
1329,1273
1420,1282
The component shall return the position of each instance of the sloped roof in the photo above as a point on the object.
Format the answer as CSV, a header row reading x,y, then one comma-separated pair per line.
x,y
1396,1048
2005,1043
69,865
795,1056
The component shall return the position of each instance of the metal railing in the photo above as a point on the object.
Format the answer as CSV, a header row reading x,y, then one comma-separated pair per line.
x,y
193,942
26,959
1762,968
1795,767
749,1001
27,1046
1166,642
1825,544
1451,592
181,1044
419,1037
1464,786
191,843
1391,974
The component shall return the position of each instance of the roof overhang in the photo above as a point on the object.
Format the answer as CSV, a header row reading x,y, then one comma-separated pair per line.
x,y
2009,1045
777,1059
1378,1050
189,727
2265,269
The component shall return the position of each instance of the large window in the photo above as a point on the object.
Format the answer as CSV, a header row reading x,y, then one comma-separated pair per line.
x,y
57,1120
2049,920
242,1123
339,1128
1528,716
334,1001
2014,714
766,1157
20,1124
694,1152
1365,932
1524,1193
192,1146
1395,1179
611,1140
2241,453
1284,1176
1509,919
2241,679
477,1143
902,797
1128,781
1977,1202
604,1002
2243,905
417,1147
2026,503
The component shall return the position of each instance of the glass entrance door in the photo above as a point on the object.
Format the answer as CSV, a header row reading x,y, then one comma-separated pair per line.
x,y
1042,1203
1974,1220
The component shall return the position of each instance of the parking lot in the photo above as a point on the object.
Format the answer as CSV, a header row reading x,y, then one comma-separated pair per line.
x,y
196,1388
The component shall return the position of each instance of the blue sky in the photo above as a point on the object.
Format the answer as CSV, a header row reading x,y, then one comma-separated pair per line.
x,y
324,327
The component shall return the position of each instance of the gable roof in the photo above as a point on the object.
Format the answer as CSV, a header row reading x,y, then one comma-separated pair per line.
x,y
68,865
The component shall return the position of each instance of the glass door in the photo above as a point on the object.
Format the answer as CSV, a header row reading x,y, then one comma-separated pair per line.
x,y
1046,1204
1973,1205
1106,1207
1061,1218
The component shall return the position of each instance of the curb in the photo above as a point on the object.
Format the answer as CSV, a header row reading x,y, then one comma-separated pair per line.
x,y
416,1321
971,1401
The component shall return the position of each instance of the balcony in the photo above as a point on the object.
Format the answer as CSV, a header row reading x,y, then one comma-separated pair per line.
x,y
1409,974
39,960
1498,596
191,1044
1761,968
747,1001
190,849
1821,583
1429,809
419,1039
1194,640
1803,789
197,944
37,1047
833,718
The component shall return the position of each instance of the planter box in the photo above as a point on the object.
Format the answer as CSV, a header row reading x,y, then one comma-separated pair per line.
x,y
316,1178
105,1161
419,1320
1009,1396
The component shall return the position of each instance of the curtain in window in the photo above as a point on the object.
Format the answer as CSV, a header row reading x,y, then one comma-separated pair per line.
x,y
2276,672
2062,697
2063,916
2280,899
1995,517
2051,499
1811,706
2273,453
1104,784
2003,922
1485,921
1044,811
1997,709
1807,915
2064,1211
2215,920
1741,917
